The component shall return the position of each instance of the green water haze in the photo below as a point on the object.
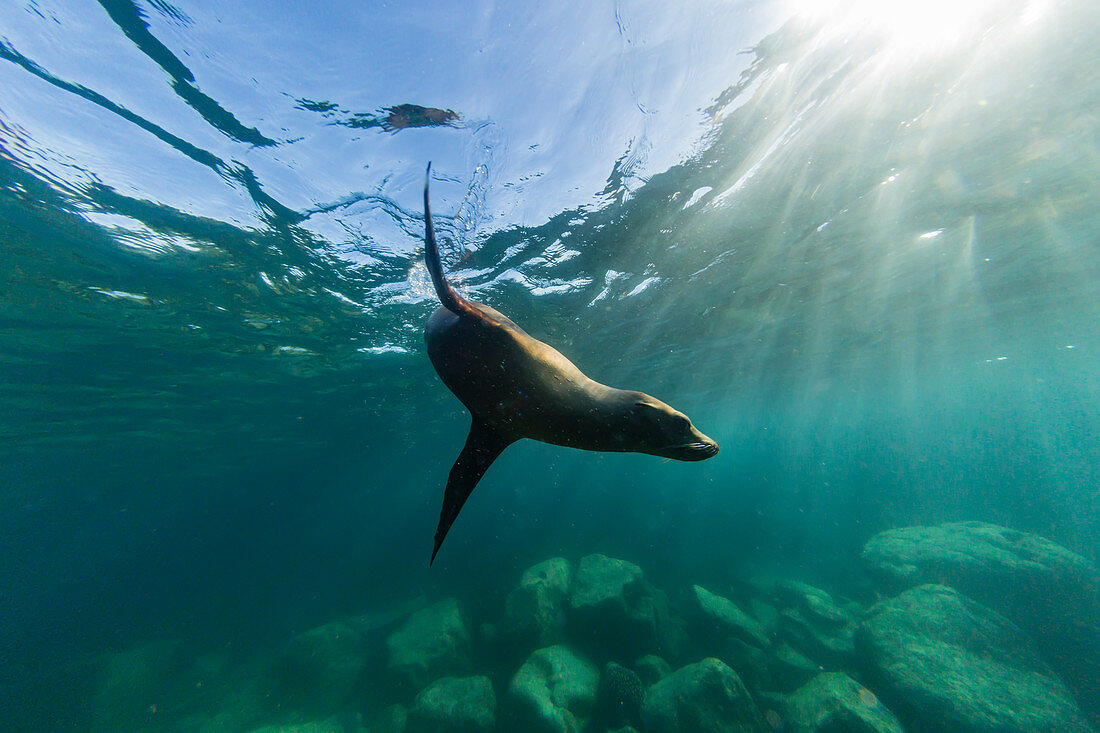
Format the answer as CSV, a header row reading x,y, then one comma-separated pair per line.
x,y
867,263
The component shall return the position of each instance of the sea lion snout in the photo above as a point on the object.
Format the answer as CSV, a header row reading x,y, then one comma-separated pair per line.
x,y
701,451
669,433
697,450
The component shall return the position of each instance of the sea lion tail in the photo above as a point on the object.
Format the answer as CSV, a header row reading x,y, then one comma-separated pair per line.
x,y
448,296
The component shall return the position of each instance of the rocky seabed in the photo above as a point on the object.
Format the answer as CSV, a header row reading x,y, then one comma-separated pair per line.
x,y
964,627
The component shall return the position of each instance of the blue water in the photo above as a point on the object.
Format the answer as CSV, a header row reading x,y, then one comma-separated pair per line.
x,y
861,254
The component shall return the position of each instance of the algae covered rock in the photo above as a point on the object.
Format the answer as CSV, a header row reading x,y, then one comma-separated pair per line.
x,y
652,669
790,668
614,609
132,683
434,642
1051,592
765,614
392,719
705,696
318,669
816,625
835,702
618,697
718,616
818,605
984,560
946,662
553,692
332,725
534,611
454,705
719,628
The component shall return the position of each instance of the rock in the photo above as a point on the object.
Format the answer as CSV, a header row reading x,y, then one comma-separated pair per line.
x,y
332,725
705,696
769,704
835,702
719,616
946,662
133,683
766,615
618,698
488,635
454,705
378,719
751,664
817,604
434,642
616,611
719,628
652,669
227,697
980,559
553,692
534,612
827,647
318,669
393,720
790,668
816,625
1049,591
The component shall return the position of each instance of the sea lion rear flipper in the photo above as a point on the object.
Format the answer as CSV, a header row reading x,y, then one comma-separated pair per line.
x,y
483,445
448,296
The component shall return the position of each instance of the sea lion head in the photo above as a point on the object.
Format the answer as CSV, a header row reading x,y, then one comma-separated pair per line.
x,y
660,430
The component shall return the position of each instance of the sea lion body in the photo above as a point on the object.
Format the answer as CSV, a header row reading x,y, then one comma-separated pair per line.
x,y
526,388
516,386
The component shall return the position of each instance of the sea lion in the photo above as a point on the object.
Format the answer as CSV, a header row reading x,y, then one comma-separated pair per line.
x,y
515,386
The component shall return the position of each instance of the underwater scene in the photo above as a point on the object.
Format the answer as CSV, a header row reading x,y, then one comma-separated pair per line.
x,y
768,332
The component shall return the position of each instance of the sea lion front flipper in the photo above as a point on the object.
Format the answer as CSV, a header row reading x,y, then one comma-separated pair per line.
x,y
483,445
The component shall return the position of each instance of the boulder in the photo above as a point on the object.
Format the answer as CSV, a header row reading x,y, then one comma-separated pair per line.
x,y
835,703
618,698
790,669
133,683
318,669
719,628
818,605
718,617
534,612
652,669
227,696
705,696
454,705
434,642
985,561
392,719
616,612
816,625
945,662
553,692
752,665
1051,592
765,614
332,725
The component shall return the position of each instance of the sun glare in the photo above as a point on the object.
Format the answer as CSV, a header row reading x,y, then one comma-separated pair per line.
x,y
914,23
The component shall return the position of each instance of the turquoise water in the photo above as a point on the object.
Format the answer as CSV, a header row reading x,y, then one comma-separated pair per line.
x,y
861,252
